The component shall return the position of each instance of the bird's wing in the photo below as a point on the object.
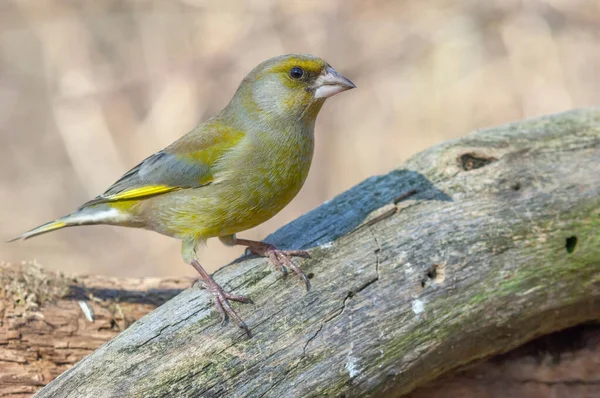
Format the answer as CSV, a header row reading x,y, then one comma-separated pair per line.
x,y
187,163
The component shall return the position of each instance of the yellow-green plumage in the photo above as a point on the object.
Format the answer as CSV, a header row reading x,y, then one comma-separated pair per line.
x,y
232,172
254,169
249,185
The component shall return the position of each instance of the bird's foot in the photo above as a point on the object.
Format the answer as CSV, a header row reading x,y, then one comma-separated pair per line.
x,y
280,258
222,298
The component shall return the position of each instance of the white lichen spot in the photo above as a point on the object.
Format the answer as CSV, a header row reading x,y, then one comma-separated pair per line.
x,y
352,367
327,245
533,289
418,306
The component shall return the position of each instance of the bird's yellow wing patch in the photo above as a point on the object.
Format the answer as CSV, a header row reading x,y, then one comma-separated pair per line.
x,y
132,194
137,193
185,164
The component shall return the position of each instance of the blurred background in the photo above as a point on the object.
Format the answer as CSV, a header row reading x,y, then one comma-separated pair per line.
x,y
90,88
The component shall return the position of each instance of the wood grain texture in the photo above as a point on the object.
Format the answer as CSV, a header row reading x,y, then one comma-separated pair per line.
x,y
43,330
499,244
563,364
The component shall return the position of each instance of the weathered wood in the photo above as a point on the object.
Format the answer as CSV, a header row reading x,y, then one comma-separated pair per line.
x,y
44,332
499,244
563,364
43,329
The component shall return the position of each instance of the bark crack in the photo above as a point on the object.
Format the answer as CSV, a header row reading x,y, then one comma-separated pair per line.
x,y
377,252
157,335
348,296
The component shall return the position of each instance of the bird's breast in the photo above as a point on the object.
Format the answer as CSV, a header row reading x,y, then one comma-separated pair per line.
x,y
252,183
271,171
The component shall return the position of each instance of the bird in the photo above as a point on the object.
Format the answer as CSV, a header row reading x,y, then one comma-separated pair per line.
x,y
231,173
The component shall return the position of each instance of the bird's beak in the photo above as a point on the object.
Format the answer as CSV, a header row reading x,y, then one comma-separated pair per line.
x,y
330,82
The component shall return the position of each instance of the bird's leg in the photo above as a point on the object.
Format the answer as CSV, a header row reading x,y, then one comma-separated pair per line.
x,y
221,298
280,258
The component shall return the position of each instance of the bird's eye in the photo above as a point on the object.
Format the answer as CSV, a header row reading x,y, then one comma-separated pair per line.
x,y
296,72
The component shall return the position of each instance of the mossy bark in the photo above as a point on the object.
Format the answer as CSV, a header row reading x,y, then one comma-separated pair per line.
x,y
469,249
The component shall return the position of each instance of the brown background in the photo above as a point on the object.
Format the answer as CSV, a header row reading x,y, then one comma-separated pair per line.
x,y
89,88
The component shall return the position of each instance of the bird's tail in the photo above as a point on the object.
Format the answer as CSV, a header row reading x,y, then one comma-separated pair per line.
x,y
42,229
100,214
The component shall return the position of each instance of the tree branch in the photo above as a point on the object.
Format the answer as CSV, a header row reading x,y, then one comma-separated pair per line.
x,y
498,244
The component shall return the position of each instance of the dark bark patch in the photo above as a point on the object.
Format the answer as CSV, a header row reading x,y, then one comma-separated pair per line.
x,y
472,161
571,244
434,275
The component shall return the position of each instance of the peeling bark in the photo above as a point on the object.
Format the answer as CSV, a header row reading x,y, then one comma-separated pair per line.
x,y
498,244
44,330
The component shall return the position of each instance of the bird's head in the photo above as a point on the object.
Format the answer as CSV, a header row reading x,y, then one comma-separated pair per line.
x,y
290,86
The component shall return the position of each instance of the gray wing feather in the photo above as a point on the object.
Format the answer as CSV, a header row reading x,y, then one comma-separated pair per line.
x,y
162,168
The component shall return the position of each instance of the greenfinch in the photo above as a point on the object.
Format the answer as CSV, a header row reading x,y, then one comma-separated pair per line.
x,y
230,173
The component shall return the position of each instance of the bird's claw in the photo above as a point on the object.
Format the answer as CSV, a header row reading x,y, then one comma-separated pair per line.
x,y
221,299
282,261
280,258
